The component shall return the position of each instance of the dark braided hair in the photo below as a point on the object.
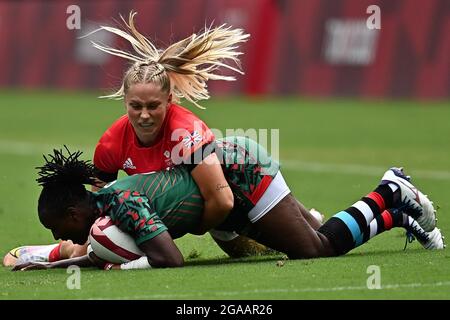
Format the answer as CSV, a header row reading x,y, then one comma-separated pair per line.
x,y
63,178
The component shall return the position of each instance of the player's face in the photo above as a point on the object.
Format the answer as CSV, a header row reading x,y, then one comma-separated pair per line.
x,y
146,107
74,226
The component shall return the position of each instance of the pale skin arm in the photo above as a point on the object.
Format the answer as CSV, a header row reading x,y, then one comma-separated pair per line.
x,y
82,261
68,249
161,251
215,191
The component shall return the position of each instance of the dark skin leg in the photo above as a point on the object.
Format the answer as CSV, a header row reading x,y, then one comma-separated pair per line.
x,y
285,229
244,247
308,216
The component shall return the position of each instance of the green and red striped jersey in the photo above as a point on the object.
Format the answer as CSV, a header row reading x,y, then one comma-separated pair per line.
x,y
144,205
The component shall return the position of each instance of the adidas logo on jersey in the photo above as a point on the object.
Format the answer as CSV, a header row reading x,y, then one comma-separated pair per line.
x,y
128,164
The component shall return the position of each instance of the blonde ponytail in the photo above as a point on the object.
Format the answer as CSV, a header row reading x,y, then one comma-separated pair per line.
x,y
182,69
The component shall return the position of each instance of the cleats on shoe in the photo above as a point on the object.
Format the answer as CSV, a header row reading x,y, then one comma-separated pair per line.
x,y
412,201
433,240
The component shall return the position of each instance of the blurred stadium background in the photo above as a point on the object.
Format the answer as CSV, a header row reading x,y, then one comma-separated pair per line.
x,y
318,48
349,102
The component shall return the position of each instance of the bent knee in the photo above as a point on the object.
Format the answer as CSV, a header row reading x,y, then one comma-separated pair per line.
x,y
317,249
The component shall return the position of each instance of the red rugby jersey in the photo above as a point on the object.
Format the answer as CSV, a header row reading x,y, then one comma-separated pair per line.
x,y
182,133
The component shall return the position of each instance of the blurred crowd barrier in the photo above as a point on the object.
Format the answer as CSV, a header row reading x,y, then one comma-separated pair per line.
x,y
297,47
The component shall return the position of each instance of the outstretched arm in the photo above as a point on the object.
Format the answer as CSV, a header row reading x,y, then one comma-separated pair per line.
x,y
160,252
78,261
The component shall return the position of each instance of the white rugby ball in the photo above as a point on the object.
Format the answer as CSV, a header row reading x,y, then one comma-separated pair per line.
x,y
112,244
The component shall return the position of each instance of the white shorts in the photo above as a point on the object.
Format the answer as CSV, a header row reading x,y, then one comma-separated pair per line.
x,y
275,192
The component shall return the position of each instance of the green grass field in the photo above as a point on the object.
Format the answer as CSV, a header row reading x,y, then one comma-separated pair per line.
x,y
332,152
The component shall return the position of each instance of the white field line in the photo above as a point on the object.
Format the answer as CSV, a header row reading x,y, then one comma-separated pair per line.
x,y
358,169
26,148
275,291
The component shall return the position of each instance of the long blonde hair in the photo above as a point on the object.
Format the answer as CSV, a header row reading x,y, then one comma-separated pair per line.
x,y
182,69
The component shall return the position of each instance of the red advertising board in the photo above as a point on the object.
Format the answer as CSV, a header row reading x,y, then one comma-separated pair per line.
x,y
307,47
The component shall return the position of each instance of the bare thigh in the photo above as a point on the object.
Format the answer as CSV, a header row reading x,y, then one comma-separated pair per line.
x,y
285,229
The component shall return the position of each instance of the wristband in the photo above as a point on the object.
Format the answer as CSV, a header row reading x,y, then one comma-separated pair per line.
x,y
141,263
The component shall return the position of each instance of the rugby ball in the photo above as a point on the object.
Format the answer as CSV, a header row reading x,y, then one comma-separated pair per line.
x,y
111,244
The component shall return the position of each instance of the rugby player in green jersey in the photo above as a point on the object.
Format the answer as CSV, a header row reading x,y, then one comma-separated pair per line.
x,y
157,207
